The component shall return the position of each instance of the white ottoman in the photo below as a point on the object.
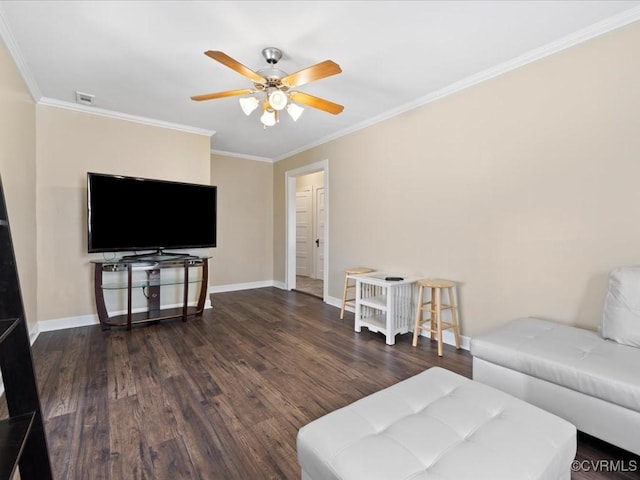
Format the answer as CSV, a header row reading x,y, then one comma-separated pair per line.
x,y
437,425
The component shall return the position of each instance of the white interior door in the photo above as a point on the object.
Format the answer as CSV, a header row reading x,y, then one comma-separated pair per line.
x,y
304,232
319,234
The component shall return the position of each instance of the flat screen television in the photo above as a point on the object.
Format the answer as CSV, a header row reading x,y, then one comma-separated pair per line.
x,y
134,214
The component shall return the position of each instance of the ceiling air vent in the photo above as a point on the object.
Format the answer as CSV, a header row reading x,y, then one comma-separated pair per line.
x,y
84,98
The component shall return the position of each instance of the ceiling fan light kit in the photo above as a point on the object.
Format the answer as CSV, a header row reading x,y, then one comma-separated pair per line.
x,y
269,117
294,111
272,86
249,104
278,99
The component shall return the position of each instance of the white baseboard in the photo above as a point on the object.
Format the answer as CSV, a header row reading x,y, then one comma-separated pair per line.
x,y
68,322
447,335
336,302
449,339
86,320
234,287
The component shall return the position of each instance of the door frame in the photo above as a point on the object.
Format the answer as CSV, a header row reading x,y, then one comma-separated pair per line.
x,y
315,270
290,223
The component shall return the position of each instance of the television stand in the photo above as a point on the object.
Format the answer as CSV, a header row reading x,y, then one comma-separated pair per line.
x,y
158,255
151,265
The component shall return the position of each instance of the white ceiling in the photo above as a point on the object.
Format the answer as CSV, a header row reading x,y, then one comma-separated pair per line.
x,y
144,59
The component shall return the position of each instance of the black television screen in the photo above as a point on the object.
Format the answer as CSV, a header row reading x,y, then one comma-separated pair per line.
x,y
130,213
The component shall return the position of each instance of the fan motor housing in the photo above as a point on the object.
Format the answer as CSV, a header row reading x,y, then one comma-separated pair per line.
x,y
272,55
273,77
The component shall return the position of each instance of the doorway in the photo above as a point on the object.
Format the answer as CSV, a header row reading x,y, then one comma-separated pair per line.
x,y
307,233
310,233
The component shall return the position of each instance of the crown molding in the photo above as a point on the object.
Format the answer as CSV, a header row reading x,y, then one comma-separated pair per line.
x,y
600,28
14,51
255,158
52,102
36,94
617,21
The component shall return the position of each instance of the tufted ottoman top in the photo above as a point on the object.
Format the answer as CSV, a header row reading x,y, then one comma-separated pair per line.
x,y
437,425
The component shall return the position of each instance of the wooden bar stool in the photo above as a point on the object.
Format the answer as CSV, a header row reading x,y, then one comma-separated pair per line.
x,y
351,286
435,307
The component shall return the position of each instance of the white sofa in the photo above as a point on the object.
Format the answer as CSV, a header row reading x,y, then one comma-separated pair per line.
x,y
576,374
591,379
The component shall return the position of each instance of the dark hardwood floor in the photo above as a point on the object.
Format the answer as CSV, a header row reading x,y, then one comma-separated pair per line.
x,y
223,396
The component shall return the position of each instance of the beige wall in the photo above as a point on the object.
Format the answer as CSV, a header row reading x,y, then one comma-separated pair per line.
x,y
311,180
17,168
523,188
245,227
70,144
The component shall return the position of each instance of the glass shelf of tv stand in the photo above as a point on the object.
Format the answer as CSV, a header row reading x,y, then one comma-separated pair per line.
x,y
146,283
150,260
149,263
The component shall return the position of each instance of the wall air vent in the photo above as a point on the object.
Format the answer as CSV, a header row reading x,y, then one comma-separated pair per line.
x,y
84,98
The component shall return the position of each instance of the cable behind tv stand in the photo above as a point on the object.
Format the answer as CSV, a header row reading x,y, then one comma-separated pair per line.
x,y
151,265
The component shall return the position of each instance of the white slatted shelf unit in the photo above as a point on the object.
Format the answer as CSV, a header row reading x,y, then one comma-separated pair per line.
x,y
379,302
385,306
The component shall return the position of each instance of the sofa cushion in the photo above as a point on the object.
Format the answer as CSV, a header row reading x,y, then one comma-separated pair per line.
x,y
572,357
621,314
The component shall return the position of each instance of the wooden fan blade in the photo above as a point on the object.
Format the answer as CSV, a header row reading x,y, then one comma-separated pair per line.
x,y
226,60
316,102
310,74
228,93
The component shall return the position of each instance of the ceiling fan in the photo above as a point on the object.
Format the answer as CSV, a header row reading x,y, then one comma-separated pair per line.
x,y
272,87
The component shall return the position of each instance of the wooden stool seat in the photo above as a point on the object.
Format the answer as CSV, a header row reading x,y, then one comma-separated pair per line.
x,y
435,283
358,270
435,308
351,286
